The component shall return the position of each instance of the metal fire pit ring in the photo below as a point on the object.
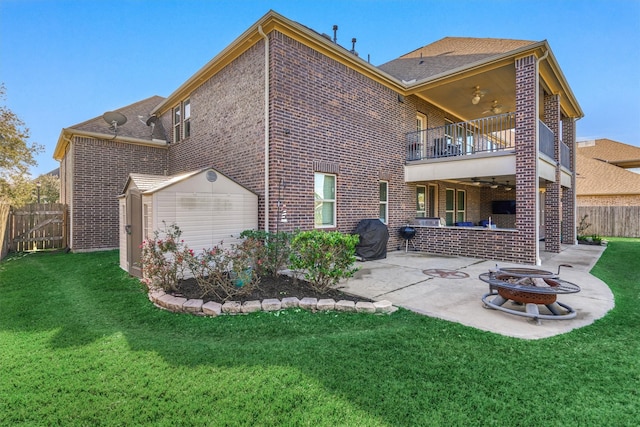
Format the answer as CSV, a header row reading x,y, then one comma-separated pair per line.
x,y
518,285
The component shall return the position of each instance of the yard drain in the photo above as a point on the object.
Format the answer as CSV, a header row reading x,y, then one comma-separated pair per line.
x,y
445,274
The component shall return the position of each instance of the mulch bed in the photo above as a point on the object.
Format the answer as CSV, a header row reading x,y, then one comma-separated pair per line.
x,y
278,287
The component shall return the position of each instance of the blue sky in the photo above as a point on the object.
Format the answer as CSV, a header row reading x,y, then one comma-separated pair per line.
x,y
67,61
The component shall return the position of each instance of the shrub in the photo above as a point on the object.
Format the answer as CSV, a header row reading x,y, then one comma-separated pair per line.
x,y
325,257
223,273
582,227
270,251
163,259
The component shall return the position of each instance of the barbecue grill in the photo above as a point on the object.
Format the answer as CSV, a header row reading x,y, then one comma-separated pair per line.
x,y
407,233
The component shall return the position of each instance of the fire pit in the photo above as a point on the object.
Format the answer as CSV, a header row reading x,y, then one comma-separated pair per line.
x,y
529,287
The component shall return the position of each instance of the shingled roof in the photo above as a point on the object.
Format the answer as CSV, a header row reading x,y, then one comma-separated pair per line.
x,y
599,178
135,127
448,54
616,153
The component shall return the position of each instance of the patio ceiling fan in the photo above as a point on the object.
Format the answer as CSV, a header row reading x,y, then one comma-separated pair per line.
x,y
495,108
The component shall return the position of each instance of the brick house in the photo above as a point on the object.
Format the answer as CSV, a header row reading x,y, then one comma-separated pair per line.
x,y
462,129
607,190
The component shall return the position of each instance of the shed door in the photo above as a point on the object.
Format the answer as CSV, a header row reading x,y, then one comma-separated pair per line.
x,y
134,232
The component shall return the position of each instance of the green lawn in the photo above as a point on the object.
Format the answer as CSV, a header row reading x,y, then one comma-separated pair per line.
x,y
80,344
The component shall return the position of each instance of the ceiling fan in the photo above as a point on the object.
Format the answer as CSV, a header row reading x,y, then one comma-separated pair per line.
x,y
477,95
495,108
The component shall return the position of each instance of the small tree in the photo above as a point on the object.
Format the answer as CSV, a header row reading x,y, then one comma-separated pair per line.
x,y
16,154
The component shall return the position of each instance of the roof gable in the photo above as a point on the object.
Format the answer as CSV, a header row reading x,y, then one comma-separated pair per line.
x,y
448,54
135,127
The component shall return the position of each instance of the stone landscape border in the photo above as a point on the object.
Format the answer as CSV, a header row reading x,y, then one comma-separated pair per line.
x,y
211,308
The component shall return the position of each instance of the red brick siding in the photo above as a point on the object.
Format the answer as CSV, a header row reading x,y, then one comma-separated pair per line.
x,y
569,221
227,125
552,204
526,155
609,200
100,171
323,111
499,245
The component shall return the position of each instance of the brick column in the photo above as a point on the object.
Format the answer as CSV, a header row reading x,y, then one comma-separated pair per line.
x,y
553,204
526,156
569,194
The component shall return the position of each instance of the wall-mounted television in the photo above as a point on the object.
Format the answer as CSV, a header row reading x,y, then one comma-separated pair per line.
x,y
503,207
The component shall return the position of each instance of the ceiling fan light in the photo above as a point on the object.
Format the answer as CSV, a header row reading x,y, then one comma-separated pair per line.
x,y
475,99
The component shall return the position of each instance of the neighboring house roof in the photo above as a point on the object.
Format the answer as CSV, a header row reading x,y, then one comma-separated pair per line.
x,y
616,153
599,178
448,54
135,130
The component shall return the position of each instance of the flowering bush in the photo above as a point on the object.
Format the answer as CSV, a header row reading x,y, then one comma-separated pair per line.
x,y
223,273
270,251
163,260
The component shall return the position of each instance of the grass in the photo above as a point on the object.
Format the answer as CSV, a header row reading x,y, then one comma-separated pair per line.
x,y
80,344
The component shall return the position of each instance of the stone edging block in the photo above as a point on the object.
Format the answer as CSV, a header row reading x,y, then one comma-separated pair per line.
x,y
212,308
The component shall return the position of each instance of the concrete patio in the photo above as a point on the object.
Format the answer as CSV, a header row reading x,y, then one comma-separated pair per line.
x,y
453,291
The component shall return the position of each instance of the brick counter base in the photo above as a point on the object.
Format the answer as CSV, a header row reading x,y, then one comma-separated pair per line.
x,y
199,307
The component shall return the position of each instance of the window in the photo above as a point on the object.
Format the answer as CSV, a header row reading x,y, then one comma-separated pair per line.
x,y
461,213
421,199
384,202
325,200
187,118
433,201
182,121
455,210
177,124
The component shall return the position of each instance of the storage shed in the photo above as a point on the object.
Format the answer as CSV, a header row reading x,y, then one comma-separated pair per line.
x,y
207,206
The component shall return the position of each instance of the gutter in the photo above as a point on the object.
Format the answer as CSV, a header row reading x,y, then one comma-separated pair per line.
x,y
266,128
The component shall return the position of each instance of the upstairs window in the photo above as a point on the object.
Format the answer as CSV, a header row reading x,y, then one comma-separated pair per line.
x,y
187,118
177,123
182,121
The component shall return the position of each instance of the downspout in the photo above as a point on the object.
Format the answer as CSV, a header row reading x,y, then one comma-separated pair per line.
x,y
266,128
537,151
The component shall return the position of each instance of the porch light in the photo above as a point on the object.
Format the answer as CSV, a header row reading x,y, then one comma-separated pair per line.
x,y
477,95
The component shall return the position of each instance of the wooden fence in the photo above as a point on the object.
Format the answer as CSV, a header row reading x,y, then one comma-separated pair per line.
x,y
36,227
4,229
611,221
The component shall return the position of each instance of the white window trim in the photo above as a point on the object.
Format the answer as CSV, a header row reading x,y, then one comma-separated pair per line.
x,y
435,199
334,201
177,124
464,210
426,195
384,202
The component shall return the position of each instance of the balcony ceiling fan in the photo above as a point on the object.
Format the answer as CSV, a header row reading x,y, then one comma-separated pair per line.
x,y
495,108
477,95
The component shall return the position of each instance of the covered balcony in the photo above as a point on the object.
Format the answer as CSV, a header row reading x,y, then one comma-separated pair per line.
x,y
483,147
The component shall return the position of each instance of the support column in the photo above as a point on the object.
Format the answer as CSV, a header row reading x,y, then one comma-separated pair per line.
x,y
553,204
527,157
569,221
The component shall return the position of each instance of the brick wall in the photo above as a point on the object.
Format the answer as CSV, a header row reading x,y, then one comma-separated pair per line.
x,y
552,200
526,154
326,117
569,221
609,200
499,245
100,170
227,125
